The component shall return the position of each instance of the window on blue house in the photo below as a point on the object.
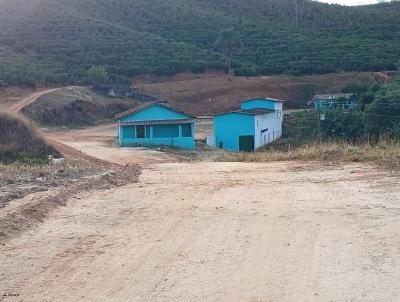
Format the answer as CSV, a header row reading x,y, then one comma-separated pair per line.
x,y
166,131
128,131
187,130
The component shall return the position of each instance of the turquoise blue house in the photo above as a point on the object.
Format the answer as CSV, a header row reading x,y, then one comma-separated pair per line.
x,y
257,123
156,124
334,101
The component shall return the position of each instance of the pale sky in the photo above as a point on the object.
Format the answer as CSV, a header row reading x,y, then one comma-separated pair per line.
x,y
350,2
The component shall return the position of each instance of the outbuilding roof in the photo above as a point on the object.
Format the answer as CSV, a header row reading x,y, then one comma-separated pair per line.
x,y
264,99
257,111
333,96
145,106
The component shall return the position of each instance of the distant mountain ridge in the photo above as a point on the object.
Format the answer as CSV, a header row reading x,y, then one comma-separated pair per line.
x,y
58,40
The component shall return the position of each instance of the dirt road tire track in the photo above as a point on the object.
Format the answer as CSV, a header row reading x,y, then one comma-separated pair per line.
x,y
14,223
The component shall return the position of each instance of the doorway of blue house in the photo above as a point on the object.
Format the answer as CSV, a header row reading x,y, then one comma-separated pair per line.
x,y
140,132
246,143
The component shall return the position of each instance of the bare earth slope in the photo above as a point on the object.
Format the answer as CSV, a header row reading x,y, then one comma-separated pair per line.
x,y
214,93
74,106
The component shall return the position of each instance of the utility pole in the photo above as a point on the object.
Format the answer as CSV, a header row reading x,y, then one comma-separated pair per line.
x,y
319,121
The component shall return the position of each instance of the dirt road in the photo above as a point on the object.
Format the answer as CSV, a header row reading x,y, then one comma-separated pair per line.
x,y
217,232
102,142
16,106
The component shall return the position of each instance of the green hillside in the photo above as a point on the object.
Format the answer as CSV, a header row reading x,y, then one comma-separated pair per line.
x,y
58,40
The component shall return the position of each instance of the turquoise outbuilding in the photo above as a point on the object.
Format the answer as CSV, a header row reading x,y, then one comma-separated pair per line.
x,y
156,124
338,101
256,124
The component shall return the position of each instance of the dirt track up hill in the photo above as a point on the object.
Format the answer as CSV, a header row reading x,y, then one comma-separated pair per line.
x,y
74,106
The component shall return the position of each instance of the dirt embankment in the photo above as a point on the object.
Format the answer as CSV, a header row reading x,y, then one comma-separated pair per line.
x,y
213,93
21,214
75,106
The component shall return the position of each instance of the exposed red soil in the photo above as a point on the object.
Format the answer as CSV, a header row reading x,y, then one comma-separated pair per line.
x,y
214,93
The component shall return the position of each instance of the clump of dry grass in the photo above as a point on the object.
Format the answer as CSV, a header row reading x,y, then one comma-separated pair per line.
x,y
385,152
19,141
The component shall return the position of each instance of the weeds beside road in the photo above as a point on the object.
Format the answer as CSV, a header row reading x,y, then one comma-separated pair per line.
x,y
384,153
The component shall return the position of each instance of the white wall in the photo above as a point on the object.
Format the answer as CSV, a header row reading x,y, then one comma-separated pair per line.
x,y
271,121
210,141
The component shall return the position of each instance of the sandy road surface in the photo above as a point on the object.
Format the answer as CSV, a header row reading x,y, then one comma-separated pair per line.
x,y
102,142
217,232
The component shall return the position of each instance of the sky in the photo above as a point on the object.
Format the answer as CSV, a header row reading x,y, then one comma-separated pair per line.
x,y
350,2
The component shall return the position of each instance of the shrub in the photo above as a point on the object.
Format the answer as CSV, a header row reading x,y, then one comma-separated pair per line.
x,y
19,141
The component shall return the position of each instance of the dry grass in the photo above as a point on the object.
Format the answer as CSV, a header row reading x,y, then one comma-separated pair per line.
x,y
384,153
19,141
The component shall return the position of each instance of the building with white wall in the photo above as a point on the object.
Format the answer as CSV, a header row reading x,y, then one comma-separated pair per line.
x,y
256,124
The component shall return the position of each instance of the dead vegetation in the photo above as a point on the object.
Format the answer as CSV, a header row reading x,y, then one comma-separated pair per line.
x,y
385,153
72,183
19,180
20,141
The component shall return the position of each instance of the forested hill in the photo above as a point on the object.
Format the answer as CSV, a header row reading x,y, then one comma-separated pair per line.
x,y
58,40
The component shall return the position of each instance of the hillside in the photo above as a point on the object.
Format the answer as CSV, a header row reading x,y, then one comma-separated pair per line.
x,y
212,93
58,40
75,106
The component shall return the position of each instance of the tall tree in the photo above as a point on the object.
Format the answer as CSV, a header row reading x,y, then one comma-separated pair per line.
x,y
228,40
97,75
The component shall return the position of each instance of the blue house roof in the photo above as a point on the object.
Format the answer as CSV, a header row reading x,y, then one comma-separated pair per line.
x,y
144,107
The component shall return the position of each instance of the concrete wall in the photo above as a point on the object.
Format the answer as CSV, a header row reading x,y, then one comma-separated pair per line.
x,y
268,128
261,104
228,128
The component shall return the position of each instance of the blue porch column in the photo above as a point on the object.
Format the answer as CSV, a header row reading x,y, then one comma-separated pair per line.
x,y
180,130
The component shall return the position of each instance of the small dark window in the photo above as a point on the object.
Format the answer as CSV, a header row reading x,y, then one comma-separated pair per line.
x,y
187,130
140,132
221,145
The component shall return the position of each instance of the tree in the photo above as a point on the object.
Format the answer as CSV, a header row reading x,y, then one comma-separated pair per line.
x,y
228,40
97,75
383,115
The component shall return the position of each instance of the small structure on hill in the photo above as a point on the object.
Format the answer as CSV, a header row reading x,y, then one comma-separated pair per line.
x,y
257,123
334,101
156,124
